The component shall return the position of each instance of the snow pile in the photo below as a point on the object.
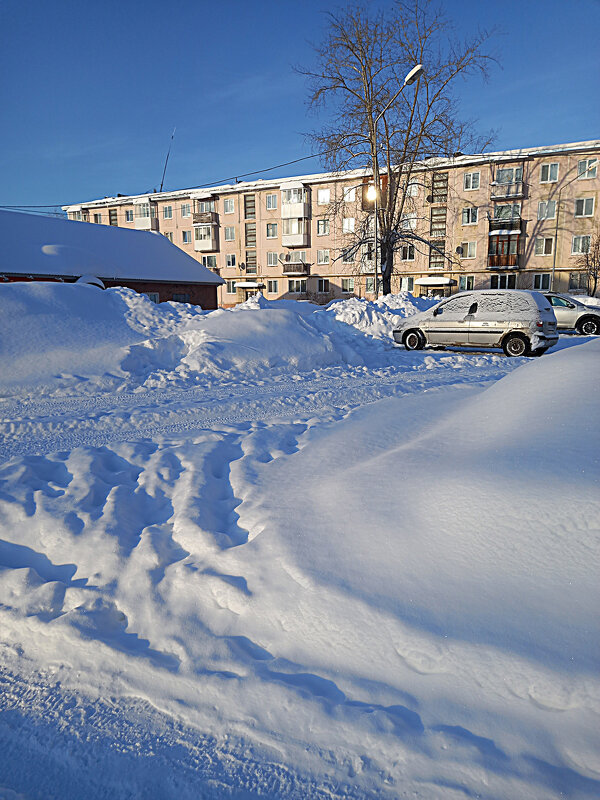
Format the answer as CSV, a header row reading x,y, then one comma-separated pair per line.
x,y
64,339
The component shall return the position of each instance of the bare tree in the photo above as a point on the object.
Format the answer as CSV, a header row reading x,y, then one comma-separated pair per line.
x,y
359,79
589,263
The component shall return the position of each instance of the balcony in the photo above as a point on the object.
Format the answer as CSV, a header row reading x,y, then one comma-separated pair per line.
x,y
511,260
503,191
295,239
295,210
205,218
146,223
508,225
206,238
296,268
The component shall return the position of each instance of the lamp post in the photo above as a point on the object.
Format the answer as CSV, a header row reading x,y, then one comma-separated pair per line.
x,y
414,75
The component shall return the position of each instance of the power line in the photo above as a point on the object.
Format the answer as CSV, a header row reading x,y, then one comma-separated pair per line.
x,y
233,178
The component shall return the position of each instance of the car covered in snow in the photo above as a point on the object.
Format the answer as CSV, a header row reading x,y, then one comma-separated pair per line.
x,y
571,314
520,322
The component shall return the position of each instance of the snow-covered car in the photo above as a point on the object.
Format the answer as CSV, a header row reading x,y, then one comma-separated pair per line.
x,y
572,315
520,322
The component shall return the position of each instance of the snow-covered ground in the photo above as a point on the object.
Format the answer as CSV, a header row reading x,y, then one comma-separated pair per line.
x,y
265,552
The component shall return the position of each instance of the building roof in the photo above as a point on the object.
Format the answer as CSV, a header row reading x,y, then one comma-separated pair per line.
x,y
36,245
354,174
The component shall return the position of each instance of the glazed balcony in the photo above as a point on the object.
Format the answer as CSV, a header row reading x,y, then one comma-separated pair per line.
x,y
504,191
510,261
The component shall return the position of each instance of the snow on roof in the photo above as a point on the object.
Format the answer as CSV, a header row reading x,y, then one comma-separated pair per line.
x,y
426,164
37,245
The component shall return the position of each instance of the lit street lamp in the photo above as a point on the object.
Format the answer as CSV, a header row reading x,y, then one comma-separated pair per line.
x,y
373,191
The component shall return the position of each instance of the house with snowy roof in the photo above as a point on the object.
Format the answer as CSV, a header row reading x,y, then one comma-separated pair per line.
x,y
44,248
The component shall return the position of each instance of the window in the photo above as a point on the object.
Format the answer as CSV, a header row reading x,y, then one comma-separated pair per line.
x,y
465,283
412,190
407,284
289,196
272,260
323,286
549,173
407,252
272,287
98,218
297,285
291,227
298,257
547,209
436,255
581,244
129,215
541,282
209,261
186,236
350,194
271,202
578,282
503,282
348,225
181,298
506,175
438,222
471,180
543,246
439,187
142,210
370,285
408,222
230,287
323,196
167,212
229,233
228,205
249,206
113,216
322,227
584,207
250,230
169,235
271,230
204,206
347,285
230,260
153,296
469,216
507,211
348,255
322,256
251,262
469,249
202,233
186,210
76,215
587,168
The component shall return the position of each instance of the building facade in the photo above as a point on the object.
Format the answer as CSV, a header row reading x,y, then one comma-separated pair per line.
x,y
513,219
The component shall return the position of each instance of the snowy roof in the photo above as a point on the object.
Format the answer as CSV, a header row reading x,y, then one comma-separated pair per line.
x,y
38,245
427,164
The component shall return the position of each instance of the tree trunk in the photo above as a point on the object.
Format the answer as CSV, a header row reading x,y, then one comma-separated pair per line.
x,y
387,264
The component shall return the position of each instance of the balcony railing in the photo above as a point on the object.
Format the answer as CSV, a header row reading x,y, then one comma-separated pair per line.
x,y
205,218
501,191
296,268
512,224
510,260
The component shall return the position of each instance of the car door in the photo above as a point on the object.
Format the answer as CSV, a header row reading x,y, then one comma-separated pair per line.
x,y
566,313
449,323
488,320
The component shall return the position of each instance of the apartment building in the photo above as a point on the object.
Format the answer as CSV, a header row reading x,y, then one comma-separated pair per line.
x,y
512,219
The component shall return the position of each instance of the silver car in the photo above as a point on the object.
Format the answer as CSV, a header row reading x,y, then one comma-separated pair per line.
x,y
520,322
572,315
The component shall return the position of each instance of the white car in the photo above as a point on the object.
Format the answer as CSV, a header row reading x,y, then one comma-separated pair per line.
x,y
521,323
572,315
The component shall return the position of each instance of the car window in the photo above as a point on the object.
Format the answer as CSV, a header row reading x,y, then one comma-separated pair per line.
x,y
458,305
560,302
504,303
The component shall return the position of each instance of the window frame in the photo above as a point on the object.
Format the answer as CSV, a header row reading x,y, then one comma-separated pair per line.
x,y
272,230
471,214
470,247
229,234
324,225
348,286
167,212
228,205
585,200
583,174
323,192
272,286
186,237
549,166
323,256
271,202
580,237
538,278
546,203
186,210
544,248
469,176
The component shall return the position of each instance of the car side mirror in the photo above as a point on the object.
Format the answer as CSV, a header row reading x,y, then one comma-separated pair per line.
x,y
437,311
473,308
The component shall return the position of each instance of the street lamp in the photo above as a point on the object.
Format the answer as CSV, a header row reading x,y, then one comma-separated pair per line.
x,y
373,191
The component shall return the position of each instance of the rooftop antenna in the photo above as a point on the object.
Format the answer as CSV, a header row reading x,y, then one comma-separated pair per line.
x,y
167,160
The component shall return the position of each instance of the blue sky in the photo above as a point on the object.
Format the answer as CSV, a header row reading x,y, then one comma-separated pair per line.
x,y
91,92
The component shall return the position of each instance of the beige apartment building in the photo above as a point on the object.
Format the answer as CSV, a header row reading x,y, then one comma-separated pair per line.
x,y
512,219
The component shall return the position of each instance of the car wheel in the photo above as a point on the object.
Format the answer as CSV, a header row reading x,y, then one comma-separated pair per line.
x,y
588,326
515,345
414,340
